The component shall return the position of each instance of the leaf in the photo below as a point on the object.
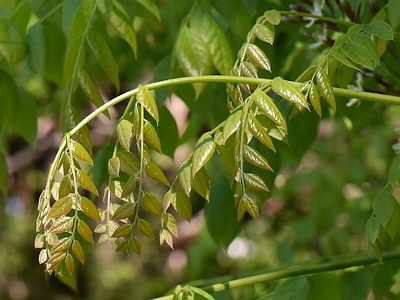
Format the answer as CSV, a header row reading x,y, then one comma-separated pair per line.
x,y
129,187
252,208
151,137
145,98
193,56
65,187
203,151
248,69
258,57
287,91
182,204
122,246
201,184
126,210
129,162
273,16
202,293
154,172
255,182
61,245
292,288
241,208
259,132
145,228
9,97
86,182
78,251
69,263
307,74
113,166
89,209
151,6
103,55
185,178
394,222
42,256
339,54
380,29
232,123
325,286
125,134
255,158
151,204
368,44
135,245
122,26
377,248
383,205
12,45
61,225
372,229
60,207
325,87
170,223
123,230
265,33
358,54
166,236
315,98
85,231
90,89
80,152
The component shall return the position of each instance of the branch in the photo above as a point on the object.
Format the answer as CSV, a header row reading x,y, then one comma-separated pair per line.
x,y
291,271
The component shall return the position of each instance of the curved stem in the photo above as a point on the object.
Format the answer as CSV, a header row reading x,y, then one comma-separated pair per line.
x,y
337,264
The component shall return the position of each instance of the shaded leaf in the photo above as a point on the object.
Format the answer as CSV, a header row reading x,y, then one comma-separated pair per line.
x,y
358,54
85,232
341,56
126,210
203,151
78,251
255,158
307,74
129,162
287,91
80,152
122,26
255,182
145,228
368,44
325,87
252,208
372,229
151,6
380,29
315,98
86,182
151,204
248,69
61,207
12,45
151,137
292,288
259,132
89,209
69,263
241,208
232,123
145,98
325,286
43,255
129,186
154,172
122,246
273,16
114,166
201,184
383,205
182,204
125,134
123,230
258,57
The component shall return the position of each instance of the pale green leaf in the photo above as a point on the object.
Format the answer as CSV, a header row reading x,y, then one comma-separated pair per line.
x,y
122,246
170,223
165,236
200,292
129,162
255,158
151,204
80,152
380,29
145,228
125,134
273,16
339,54
88,207
126,210
372,229
122,26
145,98
258,57
85,231
203,151
265,33
86,182
289,92
358,54
248,69
154,172
113,166
368,44
151,137
252,208
232,123
313,94
61,207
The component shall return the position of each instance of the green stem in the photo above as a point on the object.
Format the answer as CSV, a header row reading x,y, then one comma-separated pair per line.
x,y
228,79
322,18
337,264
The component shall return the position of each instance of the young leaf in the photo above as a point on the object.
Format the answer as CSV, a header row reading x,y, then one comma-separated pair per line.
x,y
393,224
129,162
103,55
255,158
259,132
60,207
43,255
85,232
307,74
325,87
265,33
129,187
258,57
123,230
126,210
182,205
114,165
203,151
86,182
154,172
125,134
339,54
151,204
268,107
12,45
170,223
167,237
252,208
145,228
368,44
65,187
122,246
61,225
78,251
61,245
145,98
185,178
315,99
287,91
273,16
69,263
135,245
255,182
122,26
232,123
201,184
380,29
248,69
151,137
151,6
241,208
89,209
80,152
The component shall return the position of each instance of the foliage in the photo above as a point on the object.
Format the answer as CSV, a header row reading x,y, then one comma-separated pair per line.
x,y
248,128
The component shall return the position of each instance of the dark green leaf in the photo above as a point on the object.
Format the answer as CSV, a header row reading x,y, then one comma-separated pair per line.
x,y
315,99
241,208
341,56
126,210
129,162
123,246
292,288
129,187
287,91
380,29
358,54
182,204
135,245
372,229
383,206
232,123
9,97
325,286
145,98
151,6
123,230
394,172
357,284
368,44
258,57
151,204
394,222
203,151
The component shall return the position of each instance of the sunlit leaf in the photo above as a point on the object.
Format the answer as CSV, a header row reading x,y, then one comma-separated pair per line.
x,y
151,137
85,231
135,245
182,204
63,224
255,158
55,259
151,204
315,99
287,91
258,57
100,228
61,207
89,209
170,223
80,152
168,199
228,152
154,172
145,228
61,245
248,69
252,208
129,162
201,184
232,123
265,33
39,241
65,187
43,255
273,16
325,87
122,26
380,29
78,251
259,132
145,98
123,230
241,208
165,236
203,151
114,166
69,263
255,182
86,182
125,134
126,210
